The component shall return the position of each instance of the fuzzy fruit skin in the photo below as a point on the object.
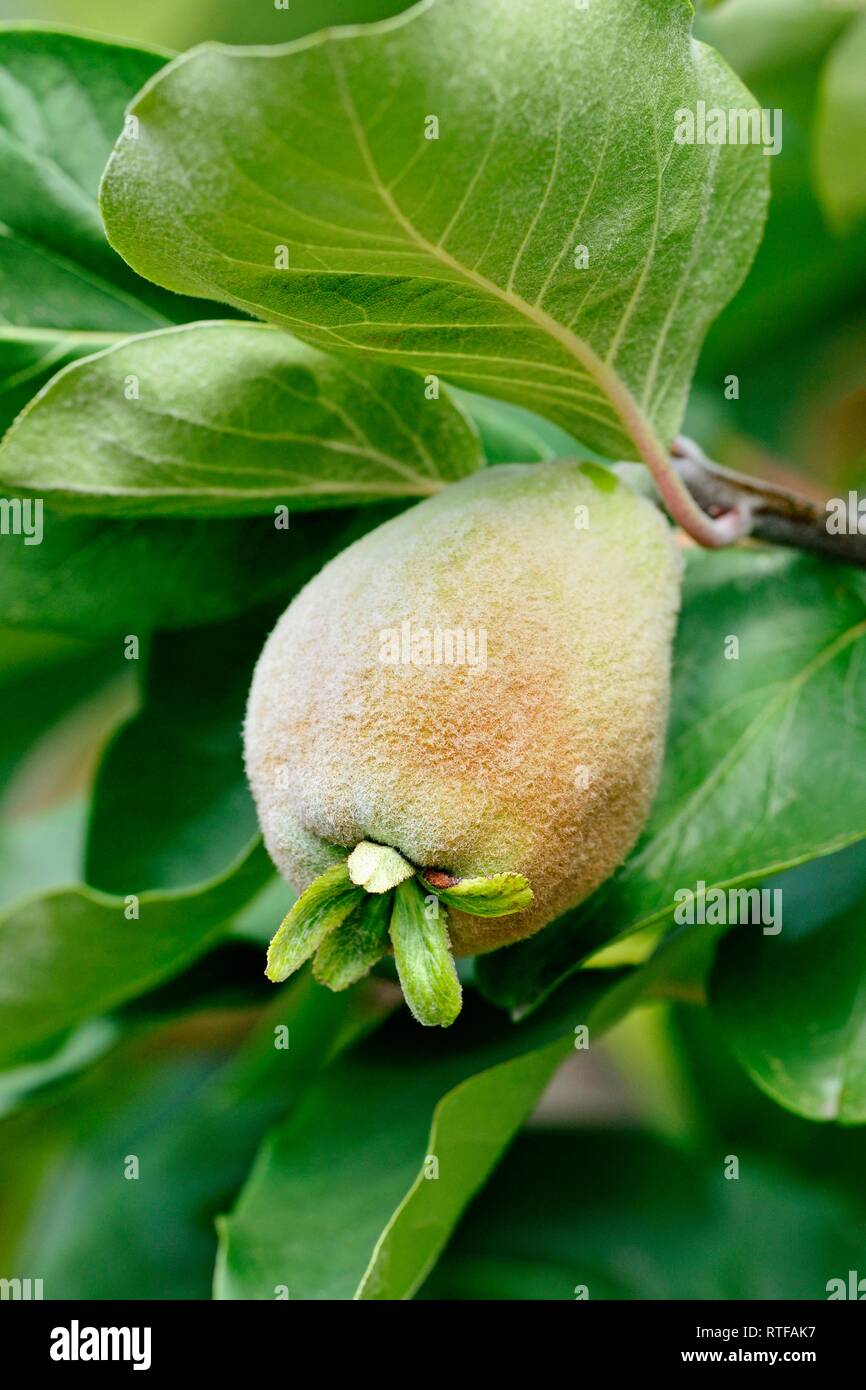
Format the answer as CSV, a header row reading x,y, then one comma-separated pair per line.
x,y
476,770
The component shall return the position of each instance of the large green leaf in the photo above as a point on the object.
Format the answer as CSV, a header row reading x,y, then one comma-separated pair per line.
x,y
356,1195
510,434
30,356
793,1008
111,578
840,132
472,1125
73,952
194,1128
744,1119
757,36
763,762
171,806
54,1066
628,1217
218,419
63,291
62,99
42,678
460,255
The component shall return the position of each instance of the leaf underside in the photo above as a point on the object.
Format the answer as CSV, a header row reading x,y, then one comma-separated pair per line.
x,y
63,291
563,252
232,419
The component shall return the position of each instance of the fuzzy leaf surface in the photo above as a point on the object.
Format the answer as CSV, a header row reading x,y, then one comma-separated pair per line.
x,y
302,185
231,419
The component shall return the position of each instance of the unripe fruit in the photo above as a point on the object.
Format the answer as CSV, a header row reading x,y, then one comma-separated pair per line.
x,y
481,684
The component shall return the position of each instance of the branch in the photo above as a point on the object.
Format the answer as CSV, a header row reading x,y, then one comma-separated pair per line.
x,y
760,509
714,529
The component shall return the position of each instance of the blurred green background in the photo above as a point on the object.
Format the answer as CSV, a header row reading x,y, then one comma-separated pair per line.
x,y
180,23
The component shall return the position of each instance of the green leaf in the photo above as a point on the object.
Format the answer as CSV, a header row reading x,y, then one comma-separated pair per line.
x,y
171,807
428,976
649,1221
496,896
377,867
320,910
63,291
108,579
793,1008
58,269
355,1157
349,953
29,357
677,969
840,130
215,419
272,25
194,1122
73,952
42,678
472,1124
32,1081
198,21
459,255
762,766
510,434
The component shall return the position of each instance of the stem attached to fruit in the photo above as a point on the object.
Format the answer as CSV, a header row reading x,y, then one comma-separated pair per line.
x,y
775,514
715,526
717,507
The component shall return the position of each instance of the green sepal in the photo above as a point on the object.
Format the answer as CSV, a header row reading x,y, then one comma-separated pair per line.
x,y
320,910
428,976
378,867
500,895
349,953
